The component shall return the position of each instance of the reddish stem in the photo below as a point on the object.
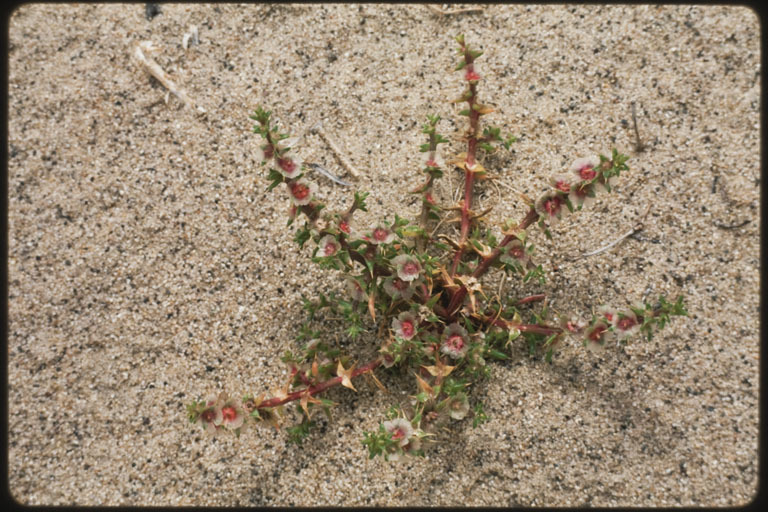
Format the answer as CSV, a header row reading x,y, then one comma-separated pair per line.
x,y
296,395
531,298
484,265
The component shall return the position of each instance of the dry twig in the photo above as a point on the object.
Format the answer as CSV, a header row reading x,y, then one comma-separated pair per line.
x,y
635,229
153,68
345,163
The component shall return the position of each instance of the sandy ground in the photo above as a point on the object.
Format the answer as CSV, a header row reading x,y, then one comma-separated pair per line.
x,y
148,266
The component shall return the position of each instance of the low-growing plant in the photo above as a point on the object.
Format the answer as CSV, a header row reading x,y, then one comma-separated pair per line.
x,y
418,285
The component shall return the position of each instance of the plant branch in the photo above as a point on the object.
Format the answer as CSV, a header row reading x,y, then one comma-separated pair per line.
x,y
296,395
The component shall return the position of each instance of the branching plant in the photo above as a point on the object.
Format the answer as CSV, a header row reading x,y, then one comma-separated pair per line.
x,y
420,288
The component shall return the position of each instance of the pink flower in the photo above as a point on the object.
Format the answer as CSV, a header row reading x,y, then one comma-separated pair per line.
x,y
397,288
289,166
471,76
264,153
232,413
344,227
455,341
608,314
437,161
514,253
405,325
401,430
597,336
408,267
328,245
355,290
582,194
626,325
211,416
381,234
584,168
458,406
550,206
572,324
562,183
301,191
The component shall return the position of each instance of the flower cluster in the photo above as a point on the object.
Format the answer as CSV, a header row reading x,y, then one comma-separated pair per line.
x,y
417,287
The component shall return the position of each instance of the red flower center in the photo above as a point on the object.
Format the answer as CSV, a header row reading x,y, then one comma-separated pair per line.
x,y
299,191
608,316
626,323
344,226
455,342
399,285
587,173
287,165
563,186
229,413
411,267
407,327
330,249
208,415
380,234
517,252
472,75
552,205
597,333
399,433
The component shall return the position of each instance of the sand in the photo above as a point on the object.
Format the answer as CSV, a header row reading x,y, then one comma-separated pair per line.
x,y
148,266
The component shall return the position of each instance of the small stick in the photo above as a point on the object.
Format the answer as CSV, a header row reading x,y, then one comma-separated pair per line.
x,y
154,69
639,146
732,226
318,128
638,227
443,12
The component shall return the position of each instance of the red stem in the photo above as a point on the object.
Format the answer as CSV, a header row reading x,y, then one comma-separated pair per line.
x,y
484,265
296,395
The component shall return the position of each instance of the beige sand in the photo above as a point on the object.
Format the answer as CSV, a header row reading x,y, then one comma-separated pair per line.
x,y
148,266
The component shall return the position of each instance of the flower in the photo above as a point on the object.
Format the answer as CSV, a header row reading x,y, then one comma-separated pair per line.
x,y
597,336
572,324
582,194
584,168
232,413
397,288
436,161
562,183
301,191
211,416
328,245
626,324
344,227
404,325
550,206
401,430
289,166
608,314
355,290
471,76
458,406
264,153
455,341
514,253
381,234
408,267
